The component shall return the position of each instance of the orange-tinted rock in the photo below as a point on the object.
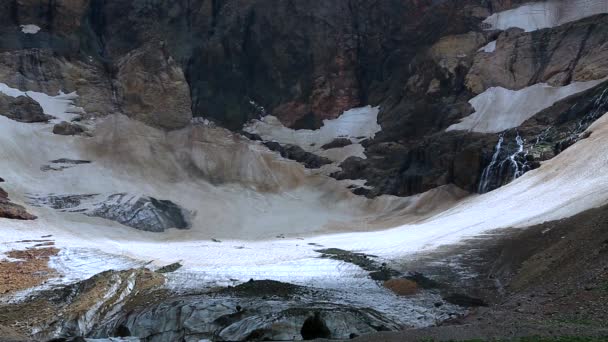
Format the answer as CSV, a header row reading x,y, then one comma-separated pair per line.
x,y
402,287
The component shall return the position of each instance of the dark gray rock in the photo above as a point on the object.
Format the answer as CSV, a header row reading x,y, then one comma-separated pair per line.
x,y
68,128
338,142
22,109
144,213
293,152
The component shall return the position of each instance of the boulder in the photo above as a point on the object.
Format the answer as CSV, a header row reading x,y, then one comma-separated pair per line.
x,y
12,211
22,109
68,128
153,87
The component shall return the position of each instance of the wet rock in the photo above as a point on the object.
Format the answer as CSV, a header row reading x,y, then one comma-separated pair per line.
x,y
84,305
382,275
61,202
22,109
336,143
140,212
377,271
264,288
422,280
464,300
70,161
68,128
293,152
280,321
169,268
145,213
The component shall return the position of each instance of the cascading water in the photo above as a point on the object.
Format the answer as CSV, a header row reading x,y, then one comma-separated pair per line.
x,y
484,183
512,159
518,159
508,163
599,108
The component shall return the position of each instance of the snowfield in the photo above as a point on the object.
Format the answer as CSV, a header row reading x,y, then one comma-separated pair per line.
x,y
267,215
498,109
538,15
355,125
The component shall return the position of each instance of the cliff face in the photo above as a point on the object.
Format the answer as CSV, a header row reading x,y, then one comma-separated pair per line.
x,y
164,62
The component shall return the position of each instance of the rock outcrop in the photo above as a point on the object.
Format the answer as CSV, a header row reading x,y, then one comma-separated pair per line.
x,y
557,56
153,87
133,304
22,109
303,62
11,210
68,128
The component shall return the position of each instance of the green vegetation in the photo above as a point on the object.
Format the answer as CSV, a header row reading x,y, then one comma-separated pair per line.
x,y
535,339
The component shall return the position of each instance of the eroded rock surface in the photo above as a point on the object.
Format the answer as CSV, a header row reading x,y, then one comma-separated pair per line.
x,y
557,56
140,212
302,62
68,128
11,210
22,109
133,304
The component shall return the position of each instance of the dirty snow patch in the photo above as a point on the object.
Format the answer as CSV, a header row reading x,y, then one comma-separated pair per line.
x,y
498,109
538,15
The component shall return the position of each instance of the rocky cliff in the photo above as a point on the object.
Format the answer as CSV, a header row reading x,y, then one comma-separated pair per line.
x,y
164,62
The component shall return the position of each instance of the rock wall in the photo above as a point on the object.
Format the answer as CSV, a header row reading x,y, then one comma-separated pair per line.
x,y
164,62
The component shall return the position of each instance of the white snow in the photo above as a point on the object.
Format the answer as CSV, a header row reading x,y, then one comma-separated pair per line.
x,y
60,106
356,124
489,48
498,109
538,15
244,195
572,182
30,29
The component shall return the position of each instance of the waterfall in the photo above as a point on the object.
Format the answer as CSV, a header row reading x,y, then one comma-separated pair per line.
x,y
518,170
510,159
506,169
484,182
599,108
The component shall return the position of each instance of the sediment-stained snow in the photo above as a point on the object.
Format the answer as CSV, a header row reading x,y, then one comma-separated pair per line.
x,y
356,124
498,109
268,215
30,29
538,15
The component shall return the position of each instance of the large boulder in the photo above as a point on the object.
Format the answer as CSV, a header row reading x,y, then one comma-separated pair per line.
x,y
22,108
12,211
68,128
153,88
